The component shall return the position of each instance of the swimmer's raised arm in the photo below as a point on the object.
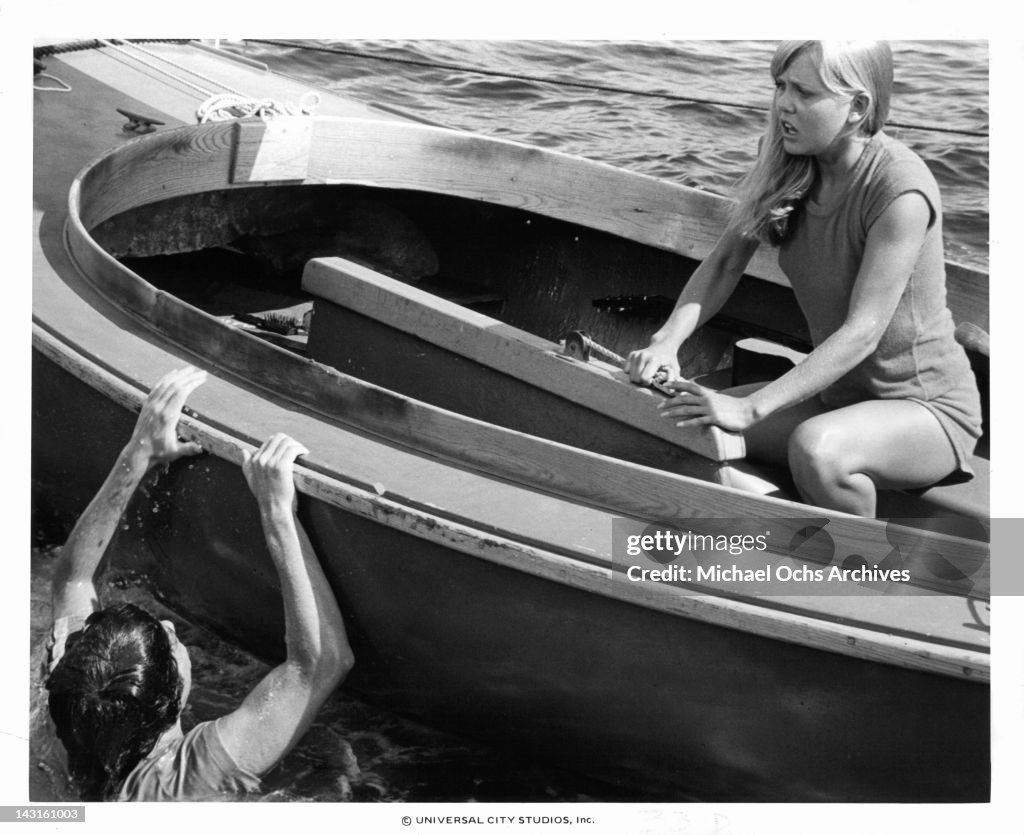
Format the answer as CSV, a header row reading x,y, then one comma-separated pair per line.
x,y
153,440
280,709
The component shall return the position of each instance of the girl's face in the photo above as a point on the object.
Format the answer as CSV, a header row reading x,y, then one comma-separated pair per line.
x,y
813,120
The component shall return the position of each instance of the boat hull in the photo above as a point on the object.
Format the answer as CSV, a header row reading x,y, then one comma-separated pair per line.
x,y
687,710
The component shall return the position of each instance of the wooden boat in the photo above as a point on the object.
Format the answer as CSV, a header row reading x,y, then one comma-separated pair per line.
x,y
482,568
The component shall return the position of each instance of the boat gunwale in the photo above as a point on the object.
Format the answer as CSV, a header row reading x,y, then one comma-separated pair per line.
x,y
681,210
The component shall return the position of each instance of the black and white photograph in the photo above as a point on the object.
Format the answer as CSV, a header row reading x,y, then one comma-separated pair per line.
x,y
515,432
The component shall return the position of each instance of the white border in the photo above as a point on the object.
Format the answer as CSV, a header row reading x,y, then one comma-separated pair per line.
x,y
531,19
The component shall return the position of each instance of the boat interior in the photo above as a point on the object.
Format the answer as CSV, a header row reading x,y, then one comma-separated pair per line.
x,y
239,255
494,259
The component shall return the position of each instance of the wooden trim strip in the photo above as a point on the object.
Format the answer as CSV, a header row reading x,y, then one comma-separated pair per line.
x,y
509,350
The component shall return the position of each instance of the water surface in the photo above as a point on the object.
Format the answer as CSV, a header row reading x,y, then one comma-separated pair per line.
x,y
940,84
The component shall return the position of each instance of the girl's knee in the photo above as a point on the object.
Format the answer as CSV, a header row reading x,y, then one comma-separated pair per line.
x,y
824,469
815,451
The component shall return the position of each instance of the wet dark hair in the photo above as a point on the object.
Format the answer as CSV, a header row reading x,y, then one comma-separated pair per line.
x,y
114,692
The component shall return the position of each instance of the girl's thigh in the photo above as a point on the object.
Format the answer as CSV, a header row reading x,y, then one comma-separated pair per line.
x,y
896,443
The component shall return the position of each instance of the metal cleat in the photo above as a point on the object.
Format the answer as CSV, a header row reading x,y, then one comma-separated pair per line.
x,y
138,123
577,345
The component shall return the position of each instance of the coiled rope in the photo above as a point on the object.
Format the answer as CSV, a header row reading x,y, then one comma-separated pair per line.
x,y
602,88
224,106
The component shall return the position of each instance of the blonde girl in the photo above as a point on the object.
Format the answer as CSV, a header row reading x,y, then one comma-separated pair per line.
x,y
886,399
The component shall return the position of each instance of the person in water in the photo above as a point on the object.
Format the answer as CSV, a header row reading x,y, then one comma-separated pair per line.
x,y
886,399
119,677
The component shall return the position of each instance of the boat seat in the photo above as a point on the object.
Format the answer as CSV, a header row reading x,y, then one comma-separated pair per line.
x,y
464,293
434,331
757,360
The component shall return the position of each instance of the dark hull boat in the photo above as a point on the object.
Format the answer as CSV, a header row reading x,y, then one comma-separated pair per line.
x,y
476,554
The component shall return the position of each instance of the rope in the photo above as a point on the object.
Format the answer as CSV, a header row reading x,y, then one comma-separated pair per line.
x,y
64,88
579,345
222,106
163,71
78,46
181,67
601,88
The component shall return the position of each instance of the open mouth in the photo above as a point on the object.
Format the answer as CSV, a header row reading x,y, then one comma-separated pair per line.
x,y
787,128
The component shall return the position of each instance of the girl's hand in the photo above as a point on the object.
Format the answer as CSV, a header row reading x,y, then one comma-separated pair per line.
x,y
270,472
697,406
642,365
155,438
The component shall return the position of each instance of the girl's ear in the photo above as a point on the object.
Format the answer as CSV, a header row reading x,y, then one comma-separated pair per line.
x,y
860,107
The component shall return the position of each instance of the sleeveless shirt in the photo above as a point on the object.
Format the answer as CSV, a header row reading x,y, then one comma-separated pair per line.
x,y
918,357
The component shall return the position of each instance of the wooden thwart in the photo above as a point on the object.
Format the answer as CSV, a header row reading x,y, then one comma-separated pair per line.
x,y
595,385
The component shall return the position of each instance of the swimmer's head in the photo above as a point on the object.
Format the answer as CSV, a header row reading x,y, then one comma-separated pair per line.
x,y
121,684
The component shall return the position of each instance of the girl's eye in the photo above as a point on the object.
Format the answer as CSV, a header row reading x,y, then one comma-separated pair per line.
x,y
782,86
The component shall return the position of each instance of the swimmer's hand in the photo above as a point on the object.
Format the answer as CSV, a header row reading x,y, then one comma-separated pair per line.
x,y
155,438
270,473
695,405
643,365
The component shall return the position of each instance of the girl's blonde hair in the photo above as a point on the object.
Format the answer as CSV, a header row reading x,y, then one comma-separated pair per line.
x,y
772,189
